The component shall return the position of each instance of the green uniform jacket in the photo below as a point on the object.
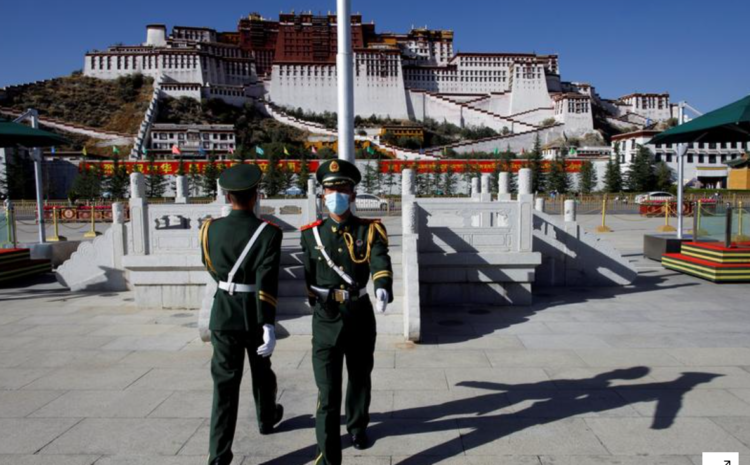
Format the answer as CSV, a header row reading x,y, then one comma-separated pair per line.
x,y
222,242
351,238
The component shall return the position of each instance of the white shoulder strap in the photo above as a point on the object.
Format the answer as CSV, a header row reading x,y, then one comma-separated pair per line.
x,y
238,263
330,263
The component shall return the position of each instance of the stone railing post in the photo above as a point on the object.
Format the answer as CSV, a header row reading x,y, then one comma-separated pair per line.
x,y
221,195
525,211
503,186
118,234
182,193
570,211
311,206
407,183
524,181
139,215
486,193
539,204
475,193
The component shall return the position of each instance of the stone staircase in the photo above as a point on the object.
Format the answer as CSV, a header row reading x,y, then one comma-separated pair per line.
x,y
294,315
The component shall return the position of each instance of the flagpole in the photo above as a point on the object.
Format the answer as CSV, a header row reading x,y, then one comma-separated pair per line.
x,y
344,66
681,149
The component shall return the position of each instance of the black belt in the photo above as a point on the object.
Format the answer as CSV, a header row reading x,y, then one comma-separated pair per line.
x,y
341,296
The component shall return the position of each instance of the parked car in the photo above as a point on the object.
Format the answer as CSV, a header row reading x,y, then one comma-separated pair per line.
x,y
654,197
293,191
370,202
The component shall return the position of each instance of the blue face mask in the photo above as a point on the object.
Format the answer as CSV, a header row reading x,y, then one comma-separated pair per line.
x,y
337,203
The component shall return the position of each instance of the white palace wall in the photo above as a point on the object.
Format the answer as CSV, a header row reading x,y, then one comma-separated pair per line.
x,y
314,88
529,89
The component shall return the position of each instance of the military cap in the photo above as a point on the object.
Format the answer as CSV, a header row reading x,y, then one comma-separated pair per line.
x,y
240,177
337,172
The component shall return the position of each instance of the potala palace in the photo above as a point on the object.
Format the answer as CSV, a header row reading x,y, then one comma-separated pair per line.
x,y
291,62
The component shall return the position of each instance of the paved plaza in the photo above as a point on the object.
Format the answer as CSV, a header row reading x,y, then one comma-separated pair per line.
x,y
653,373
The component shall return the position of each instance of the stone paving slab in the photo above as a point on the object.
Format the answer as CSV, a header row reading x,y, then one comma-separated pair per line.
x,y
116,378
18,404
635,436
108,436
29,435
102,404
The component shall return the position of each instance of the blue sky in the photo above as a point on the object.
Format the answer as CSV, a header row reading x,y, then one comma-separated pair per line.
x,y
695,49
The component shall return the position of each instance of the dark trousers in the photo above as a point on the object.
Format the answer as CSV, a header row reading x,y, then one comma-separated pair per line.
x,y
343,333
226,369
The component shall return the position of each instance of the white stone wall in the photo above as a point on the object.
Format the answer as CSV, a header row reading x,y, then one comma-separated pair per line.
x,y
529,88
314,88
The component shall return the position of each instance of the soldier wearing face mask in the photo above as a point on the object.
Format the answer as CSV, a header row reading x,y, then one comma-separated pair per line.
x,y
341,254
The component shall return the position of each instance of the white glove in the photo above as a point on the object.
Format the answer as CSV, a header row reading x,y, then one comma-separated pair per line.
x,y
269,341
382,300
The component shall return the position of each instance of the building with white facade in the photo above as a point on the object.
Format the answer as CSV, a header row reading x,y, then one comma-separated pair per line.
x,y
194,141
193,62
704,162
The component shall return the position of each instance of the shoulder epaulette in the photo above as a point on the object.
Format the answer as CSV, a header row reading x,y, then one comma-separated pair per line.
x,y
311,225
369,220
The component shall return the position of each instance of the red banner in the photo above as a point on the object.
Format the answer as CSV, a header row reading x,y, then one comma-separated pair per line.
x,y
171,167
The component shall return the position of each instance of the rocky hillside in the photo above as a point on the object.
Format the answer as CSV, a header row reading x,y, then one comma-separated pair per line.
x,y
116,105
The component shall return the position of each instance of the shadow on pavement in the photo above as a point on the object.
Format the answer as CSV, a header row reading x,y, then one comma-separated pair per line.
x,y
553,400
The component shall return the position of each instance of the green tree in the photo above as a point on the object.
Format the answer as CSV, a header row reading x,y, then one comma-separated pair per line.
x,y
274,179
450,180
194,179
155,182
422,182
303,175
434,181
88,183
506,160
118,181
613,177
369,178
640,176
379,177
558,179
390,178
587,178
287,177
663,177
536,159
210,176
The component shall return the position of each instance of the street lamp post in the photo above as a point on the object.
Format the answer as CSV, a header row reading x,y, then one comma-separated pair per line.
x,y
36,155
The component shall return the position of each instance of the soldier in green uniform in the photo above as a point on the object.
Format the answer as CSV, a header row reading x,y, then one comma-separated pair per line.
x,y
242,253
341,254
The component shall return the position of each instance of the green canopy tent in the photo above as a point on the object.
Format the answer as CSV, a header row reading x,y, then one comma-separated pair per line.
x,y
727,124
730,123
12,134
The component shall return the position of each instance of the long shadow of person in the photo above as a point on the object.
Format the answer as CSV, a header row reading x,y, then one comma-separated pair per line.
x,y
553,400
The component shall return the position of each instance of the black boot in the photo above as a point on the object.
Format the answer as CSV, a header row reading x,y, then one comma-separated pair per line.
x,y
268,429
360,441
